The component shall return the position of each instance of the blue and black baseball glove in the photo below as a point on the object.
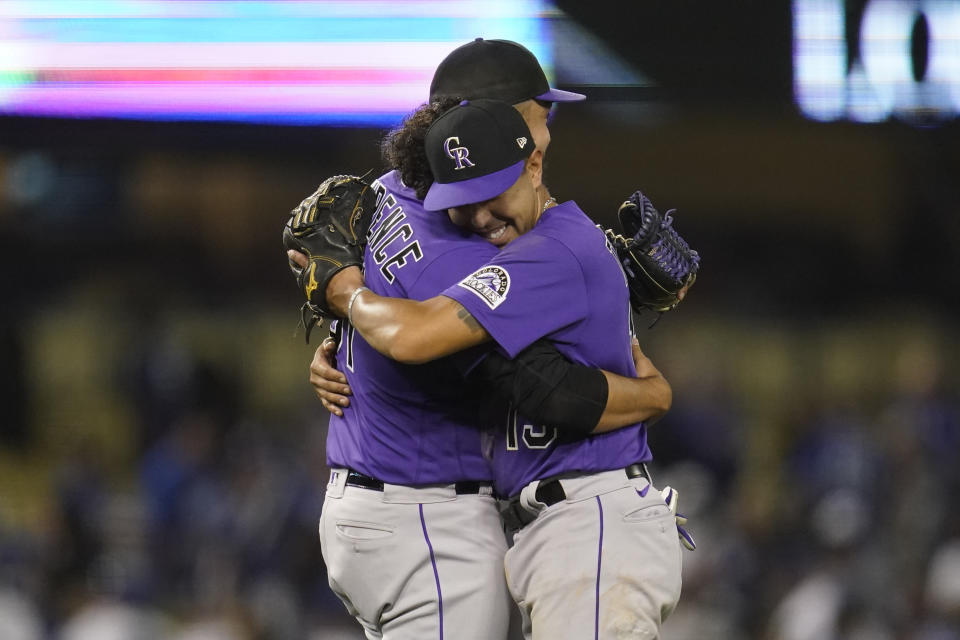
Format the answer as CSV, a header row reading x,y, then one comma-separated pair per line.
x,y
660,265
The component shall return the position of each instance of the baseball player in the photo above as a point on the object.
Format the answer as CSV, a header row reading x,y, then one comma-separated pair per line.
x,y
596,552
410,531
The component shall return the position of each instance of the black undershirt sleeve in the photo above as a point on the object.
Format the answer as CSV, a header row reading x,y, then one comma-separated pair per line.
x,y
546,387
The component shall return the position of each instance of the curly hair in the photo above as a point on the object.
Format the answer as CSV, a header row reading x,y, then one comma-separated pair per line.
x,y
403,149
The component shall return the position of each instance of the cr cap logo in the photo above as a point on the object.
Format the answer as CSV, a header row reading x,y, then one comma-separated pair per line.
x,y
490,283
460,155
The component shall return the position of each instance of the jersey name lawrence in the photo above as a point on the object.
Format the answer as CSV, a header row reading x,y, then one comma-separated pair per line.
x,y
409,425
558,281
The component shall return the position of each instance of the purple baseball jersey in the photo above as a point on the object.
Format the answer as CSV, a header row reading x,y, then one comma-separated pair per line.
x,y
561,281
408,424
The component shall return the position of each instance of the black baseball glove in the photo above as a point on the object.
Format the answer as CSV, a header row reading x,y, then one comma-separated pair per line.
x,y
330,227
659,263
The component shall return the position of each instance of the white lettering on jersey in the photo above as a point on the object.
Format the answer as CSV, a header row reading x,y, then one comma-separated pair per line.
x,y
392,227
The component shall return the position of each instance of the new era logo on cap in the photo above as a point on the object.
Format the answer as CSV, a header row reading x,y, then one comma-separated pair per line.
x,y
476,151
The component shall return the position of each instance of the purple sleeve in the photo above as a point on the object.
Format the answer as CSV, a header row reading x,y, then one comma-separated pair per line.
x,y
532,289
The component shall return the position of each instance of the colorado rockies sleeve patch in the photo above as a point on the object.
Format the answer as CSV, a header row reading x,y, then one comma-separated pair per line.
x,y
490,283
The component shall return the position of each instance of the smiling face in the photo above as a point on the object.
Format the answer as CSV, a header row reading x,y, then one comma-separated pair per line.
x,y
506,217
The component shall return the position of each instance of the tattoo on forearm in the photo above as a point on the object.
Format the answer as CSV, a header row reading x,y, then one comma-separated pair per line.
x,y
468,319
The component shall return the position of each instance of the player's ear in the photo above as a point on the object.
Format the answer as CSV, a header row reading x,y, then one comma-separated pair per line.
x,y
534,168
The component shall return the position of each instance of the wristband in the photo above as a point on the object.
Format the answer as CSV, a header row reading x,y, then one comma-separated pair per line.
x,y
353,298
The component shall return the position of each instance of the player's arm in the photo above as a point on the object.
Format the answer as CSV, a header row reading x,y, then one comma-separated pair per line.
x,y
579,400
416,332
543,385
408,331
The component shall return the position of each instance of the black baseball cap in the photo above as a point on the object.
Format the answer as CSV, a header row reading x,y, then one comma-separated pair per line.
x,y
496,69
476,151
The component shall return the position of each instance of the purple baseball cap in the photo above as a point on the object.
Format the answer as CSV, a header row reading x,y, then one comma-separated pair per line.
x,y
496,69
476,151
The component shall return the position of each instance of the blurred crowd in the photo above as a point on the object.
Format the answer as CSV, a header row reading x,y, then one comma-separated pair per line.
x,y
838,524
851,533
212,535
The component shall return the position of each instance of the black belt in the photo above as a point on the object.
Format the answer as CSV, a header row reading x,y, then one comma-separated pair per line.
x,y
550,492
357,479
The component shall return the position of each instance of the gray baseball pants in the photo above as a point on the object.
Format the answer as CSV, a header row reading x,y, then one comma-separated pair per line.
x,y
602,564
416,563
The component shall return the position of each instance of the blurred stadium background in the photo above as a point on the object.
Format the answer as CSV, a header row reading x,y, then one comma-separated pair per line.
x,y
161,452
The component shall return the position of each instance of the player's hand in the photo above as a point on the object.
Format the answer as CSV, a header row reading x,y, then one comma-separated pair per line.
x,y
647,371
328,383
300,259
641,362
